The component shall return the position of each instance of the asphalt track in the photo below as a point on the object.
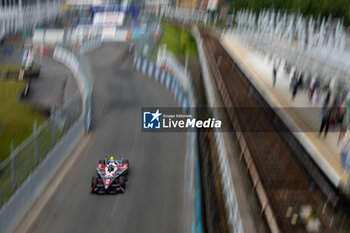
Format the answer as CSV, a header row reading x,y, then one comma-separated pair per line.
x,y
54,86
153,200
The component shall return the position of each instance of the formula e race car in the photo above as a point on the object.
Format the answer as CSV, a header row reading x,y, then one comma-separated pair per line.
x,y
111,176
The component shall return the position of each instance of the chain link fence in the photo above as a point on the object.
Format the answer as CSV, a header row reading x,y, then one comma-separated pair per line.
x,y
145,44
27,156
31,166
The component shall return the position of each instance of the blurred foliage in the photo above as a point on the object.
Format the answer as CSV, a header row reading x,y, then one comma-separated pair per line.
x,y
178,40
16,117
324,8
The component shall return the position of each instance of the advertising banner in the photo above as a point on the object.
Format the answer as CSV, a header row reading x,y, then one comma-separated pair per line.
x,y
108,18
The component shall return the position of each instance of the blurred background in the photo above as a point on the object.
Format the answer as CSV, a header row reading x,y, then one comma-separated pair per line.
x,y
75,75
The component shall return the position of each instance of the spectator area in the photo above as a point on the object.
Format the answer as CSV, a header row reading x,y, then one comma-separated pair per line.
x,y
301,115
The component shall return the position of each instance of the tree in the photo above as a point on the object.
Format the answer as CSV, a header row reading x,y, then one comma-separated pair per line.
x,y
335,8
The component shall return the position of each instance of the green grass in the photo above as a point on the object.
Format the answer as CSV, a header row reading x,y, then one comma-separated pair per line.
x,y
16,117
9,68
178,41
25,162
11,71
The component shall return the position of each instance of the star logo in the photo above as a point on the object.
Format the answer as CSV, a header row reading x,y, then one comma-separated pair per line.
x,y
151,120
156,115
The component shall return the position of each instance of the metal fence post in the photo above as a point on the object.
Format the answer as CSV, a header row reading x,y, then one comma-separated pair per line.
x,y
13,166
35,139
186,62
53,128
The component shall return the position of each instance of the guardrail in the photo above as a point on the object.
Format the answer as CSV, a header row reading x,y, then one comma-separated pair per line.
x,y
170,81
167,59
80,68
231,203
85,48
55,139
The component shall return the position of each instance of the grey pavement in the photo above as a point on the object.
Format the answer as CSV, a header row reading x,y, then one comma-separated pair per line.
x,y
153,200
54,86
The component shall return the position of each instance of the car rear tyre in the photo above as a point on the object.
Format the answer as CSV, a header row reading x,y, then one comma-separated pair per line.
x,y
126,177
126,174
93,183
122,182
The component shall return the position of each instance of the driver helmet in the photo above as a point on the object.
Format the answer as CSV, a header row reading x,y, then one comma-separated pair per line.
x,y
110,168
111,160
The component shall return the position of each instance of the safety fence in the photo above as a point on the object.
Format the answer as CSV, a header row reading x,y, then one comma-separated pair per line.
x,y
167,79
232,207
145,44
90,45
161,74
32,165
14,18
81,70
167,59
179,84
25,158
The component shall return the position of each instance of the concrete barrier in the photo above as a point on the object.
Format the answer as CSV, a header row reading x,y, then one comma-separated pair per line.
x,y
166,78
183,94
81,73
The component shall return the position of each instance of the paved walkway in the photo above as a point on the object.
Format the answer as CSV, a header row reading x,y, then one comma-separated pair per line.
x,y
324,151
